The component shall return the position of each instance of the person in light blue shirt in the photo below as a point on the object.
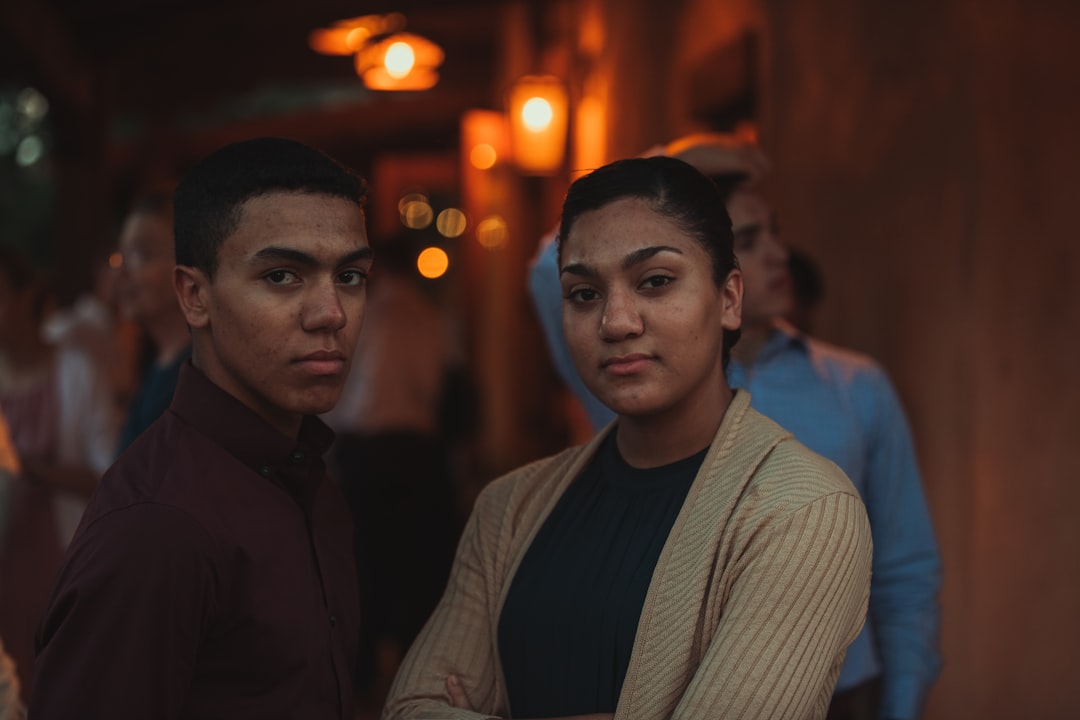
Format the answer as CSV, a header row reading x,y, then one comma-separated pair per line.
x,y
842,405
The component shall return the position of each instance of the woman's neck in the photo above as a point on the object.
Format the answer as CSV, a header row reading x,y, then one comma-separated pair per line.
x,y
661,439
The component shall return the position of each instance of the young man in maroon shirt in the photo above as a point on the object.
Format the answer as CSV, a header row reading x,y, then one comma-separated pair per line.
x,y
212,575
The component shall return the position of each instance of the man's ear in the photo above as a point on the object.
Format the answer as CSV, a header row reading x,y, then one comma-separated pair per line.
x,y
731,294
192,292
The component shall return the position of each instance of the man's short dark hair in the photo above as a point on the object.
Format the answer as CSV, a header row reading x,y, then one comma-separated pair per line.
x,y
209,200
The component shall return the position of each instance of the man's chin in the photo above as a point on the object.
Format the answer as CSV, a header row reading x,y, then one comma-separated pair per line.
x,y
321,404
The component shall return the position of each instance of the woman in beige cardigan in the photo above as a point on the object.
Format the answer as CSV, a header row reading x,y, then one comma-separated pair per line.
x,y
691,561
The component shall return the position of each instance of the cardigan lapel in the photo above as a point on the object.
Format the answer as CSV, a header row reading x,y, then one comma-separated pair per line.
x,y
669,636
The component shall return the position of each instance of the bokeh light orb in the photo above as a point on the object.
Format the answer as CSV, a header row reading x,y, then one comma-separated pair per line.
x,y
432,262
450,223
483,156
415,211
492,232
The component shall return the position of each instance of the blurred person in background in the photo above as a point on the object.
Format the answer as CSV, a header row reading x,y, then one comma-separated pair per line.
x,y
146,296
808,290
93,324
11,706
10,698
62,421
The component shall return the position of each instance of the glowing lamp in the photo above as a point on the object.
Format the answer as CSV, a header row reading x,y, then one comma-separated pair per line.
x,y
402,61
347,37
538,118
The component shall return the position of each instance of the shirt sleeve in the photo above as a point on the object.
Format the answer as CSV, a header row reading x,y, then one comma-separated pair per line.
x,y
124,624
904,607
798,598
546,293
458,638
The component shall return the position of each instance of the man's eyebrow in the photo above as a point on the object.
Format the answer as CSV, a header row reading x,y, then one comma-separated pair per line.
x,y
638,256
364,253
281,253
274,252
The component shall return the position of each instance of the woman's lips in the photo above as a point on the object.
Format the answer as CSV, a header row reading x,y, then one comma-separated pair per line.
x,y
627,364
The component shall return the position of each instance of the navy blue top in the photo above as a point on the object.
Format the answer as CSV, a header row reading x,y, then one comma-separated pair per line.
x,y
568,625
152,398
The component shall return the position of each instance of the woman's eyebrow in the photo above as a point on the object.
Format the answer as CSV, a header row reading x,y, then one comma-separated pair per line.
x,y
579,269
638,256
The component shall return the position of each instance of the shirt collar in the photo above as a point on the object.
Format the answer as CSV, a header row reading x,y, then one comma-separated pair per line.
x,y
783,336
240,431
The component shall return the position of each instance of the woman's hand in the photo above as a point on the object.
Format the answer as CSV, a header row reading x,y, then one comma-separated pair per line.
x,y
456,691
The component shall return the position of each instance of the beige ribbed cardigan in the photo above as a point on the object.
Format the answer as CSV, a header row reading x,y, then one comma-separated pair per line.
x,y
761,586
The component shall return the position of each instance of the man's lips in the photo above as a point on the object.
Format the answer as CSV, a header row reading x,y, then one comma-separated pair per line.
x,y
323,362
626,364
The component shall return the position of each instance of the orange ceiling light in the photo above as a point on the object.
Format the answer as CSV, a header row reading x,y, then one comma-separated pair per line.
x,y
386,58
348,37
402,61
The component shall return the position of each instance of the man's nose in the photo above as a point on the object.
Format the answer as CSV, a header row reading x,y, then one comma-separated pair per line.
x,y
323,309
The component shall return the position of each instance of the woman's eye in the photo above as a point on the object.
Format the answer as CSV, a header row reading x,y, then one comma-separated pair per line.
x,y
581,295
656,281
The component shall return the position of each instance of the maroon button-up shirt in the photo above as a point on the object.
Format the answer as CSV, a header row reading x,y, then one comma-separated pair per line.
x,y
212,577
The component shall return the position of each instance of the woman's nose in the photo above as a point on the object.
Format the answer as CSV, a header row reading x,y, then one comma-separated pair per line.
x,y
621,318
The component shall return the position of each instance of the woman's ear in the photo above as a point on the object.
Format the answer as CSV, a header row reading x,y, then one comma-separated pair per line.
x,y
731,296
192,292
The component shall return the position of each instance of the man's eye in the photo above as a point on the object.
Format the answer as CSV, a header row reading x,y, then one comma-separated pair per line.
x,y
352,277
281,277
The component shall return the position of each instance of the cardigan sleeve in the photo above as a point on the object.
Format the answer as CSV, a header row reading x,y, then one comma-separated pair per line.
x,y
458,637
797,599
